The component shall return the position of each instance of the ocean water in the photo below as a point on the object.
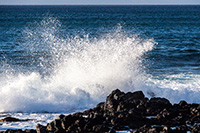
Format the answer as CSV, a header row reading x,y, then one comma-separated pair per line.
x,y
67,58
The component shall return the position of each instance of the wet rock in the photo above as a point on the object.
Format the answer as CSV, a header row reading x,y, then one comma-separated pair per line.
x,y
80,123
119,101
10,119
189,122
111,105
50,127
138,95
160,101
142,129
182,129
73,129
113,100
120,107
182,103
151,129
195,110
86,112
60,130
99,108
166,129
116,94
131,100
167,114
111,131
195,119
124,111
14,131
41,129
155,105
67,121
196,128
100,105
100,128
57,124
78,114
30,131
60,117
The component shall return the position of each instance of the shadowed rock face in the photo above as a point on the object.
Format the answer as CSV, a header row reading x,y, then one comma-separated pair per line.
x,y
9,119
129,111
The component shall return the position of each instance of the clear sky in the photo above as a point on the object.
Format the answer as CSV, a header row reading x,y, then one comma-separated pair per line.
x,y
98,2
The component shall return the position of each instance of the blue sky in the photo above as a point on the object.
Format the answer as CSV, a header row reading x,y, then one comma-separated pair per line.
x,y
97,2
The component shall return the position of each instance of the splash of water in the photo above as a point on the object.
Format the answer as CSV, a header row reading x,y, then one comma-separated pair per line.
x,y
77,72
81,70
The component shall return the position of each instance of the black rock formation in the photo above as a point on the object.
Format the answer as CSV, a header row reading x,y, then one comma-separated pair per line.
x,y
128,111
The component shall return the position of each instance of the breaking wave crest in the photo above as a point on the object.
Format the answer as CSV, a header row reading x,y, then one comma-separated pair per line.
x,y
67,73
75,72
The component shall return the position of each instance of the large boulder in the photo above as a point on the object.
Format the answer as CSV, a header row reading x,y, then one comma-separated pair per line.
x,y
120,101
157,104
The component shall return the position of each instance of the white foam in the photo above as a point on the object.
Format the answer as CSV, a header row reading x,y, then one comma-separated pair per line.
x,y
32,120
176,87
82,71
79,72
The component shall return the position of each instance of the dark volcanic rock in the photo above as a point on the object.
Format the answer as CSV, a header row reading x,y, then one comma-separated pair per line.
x,y
100,128
128,111
149,129
50,126
182,103
19,131
181,129
116,94
113,100
14,131
196,129
41,129
155,105
120,111
10,119
138,95
60,117
30,131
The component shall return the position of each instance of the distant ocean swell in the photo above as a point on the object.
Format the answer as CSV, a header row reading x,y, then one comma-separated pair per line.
x,y
75,72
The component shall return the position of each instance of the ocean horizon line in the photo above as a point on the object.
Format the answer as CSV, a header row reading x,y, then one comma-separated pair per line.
x,y
100,4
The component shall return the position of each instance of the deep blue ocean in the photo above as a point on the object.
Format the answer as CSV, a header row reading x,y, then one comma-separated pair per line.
x,y
62,58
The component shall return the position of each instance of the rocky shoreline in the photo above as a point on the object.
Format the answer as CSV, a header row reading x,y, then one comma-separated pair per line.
x,y
131,112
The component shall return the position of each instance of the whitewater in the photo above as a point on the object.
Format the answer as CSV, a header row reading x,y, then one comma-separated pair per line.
x,y
64,62
79,72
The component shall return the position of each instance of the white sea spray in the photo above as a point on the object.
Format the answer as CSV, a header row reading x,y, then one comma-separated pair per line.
x,y
77,72
81,70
